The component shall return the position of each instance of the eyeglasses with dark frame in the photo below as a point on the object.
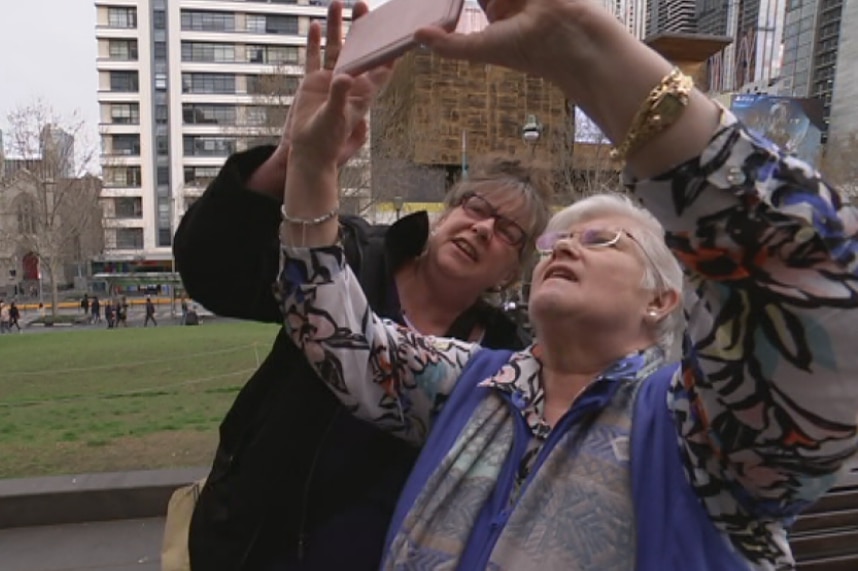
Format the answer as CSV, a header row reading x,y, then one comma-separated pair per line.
x,y
478,208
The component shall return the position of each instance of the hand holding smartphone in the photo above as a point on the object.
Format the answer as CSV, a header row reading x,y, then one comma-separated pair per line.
x,y
388,32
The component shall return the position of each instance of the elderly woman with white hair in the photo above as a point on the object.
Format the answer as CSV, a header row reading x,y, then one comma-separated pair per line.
x,y
606,444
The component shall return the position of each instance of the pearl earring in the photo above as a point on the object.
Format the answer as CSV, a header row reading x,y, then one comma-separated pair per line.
x,y
652,313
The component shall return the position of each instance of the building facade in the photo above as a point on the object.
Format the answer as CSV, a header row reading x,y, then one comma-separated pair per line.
x,y
844,99
671,16
182,85
811,55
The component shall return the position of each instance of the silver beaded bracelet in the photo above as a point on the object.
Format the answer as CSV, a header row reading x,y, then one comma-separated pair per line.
x,y
304,222
309,221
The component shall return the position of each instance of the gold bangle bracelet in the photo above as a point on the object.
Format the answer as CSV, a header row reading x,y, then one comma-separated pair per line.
x,y
658,112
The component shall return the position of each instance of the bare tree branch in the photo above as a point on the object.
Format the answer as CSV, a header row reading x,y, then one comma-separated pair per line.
x,y
49,206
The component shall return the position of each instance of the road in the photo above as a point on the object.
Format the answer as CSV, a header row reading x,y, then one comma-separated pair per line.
x,y
101,546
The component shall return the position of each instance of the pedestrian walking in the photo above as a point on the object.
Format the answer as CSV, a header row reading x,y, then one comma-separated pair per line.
x,y
96,310
109,314
150,313
84,304
4,318
14,316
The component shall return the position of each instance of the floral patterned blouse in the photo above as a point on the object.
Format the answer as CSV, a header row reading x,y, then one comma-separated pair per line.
x,y
767,395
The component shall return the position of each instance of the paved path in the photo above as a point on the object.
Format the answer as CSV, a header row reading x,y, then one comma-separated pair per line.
x,y
127,545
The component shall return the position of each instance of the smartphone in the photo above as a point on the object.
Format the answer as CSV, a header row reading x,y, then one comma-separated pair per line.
x,y
387,32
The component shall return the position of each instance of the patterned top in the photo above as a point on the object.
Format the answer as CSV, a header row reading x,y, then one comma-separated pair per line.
x,y
766,397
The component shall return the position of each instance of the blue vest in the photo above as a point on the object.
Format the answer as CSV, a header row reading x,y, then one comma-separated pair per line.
x,y
674,532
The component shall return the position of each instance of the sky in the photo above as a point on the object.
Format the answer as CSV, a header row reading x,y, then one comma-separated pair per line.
x,y
47,51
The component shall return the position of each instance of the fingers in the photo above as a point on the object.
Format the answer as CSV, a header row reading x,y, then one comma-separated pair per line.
x,y
477,47
359,9
333,34
338,95
314,49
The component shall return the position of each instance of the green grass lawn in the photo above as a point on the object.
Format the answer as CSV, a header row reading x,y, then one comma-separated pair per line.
x,y
137,398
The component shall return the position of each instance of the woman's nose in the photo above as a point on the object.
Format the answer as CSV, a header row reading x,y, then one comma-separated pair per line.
x,y
567,246
484,228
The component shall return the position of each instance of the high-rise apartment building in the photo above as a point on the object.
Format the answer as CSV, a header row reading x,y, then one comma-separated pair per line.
x,y
183,84
752,62
676,16
812,35
632,13
844,99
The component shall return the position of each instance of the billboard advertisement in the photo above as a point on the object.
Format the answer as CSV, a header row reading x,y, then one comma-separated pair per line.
x,y
794,124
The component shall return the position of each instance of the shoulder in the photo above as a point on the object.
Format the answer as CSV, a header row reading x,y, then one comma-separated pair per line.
x,y
502,331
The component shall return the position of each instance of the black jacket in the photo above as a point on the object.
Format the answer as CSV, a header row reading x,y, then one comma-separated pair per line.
x,y
297,482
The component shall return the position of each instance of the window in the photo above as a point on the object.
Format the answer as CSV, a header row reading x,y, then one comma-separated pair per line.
x,y
255,24
200,176
125,114
271,24
208,21
125,50
124,81
129,238
128,145
128,207
199,114
26,215
159,20
163,176
165,236
161,114
122,17
160,50
218,53
281,25
208,146
161,146
122,177
208,83
272,54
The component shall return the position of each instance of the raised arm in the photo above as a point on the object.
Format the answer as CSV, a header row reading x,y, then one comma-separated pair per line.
x,y
384,373
769,397
388,375
227,245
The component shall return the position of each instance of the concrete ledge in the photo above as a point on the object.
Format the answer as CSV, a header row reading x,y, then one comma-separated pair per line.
x,y
54,500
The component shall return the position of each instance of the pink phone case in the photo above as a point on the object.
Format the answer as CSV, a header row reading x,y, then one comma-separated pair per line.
x,y
388,31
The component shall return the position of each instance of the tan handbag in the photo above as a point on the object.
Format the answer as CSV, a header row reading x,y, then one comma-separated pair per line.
x,y
174,550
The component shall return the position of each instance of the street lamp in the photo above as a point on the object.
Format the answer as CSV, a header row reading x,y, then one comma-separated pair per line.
x,y
398,202
531,131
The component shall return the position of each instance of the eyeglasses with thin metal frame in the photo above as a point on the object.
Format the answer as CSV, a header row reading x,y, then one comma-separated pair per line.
x,y
478,208
591,238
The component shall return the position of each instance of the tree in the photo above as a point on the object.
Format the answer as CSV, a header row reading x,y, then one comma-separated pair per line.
x,y
838,164
583,151
368,178
48,203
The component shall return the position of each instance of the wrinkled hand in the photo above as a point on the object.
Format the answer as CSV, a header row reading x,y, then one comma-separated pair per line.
x,y
328,115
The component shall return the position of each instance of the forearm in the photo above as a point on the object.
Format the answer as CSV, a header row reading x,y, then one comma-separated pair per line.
x,y
388,375
771,254
608,74
270,177
311,192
